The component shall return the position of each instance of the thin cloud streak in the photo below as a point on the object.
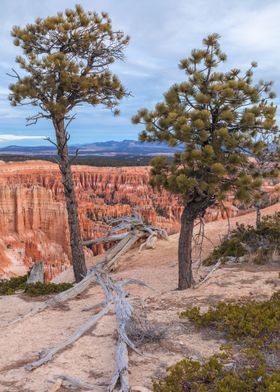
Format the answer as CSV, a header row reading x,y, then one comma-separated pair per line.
x,y
12,138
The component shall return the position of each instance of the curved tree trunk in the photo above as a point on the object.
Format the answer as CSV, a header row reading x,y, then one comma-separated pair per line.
x,y
78,257
185,250
191,211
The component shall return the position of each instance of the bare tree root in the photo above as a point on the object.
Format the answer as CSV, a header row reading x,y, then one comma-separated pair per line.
x,y
75,383
114,294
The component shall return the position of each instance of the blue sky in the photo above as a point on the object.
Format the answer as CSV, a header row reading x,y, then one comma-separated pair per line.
x,y
162,32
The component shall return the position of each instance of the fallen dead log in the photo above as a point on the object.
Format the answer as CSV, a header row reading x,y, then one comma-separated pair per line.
x,y
59,298
123,315
137,231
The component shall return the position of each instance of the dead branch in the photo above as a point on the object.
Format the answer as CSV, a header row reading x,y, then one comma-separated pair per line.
x,y
49,354
136,229
73,159
104,240
72,382
123,315
59,298
114,293
216,266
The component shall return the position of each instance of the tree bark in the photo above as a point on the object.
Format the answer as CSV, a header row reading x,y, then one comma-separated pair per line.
x,y
191,211
185,250
78,257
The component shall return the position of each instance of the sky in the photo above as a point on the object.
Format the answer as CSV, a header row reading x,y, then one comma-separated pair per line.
x,y
162,32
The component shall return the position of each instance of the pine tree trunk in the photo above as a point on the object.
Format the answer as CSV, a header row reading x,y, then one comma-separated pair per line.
x,y
78,257
185,250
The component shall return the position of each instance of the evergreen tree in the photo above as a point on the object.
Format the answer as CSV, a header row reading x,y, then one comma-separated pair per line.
x,y
217,117
66,59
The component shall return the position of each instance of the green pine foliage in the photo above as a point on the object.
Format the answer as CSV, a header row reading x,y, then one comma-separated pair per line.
x,y
218,117
262,242
10,286
66,62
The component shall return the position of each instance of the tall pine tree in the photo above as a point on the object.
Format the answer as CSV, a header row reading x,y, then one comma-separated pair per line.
x,y
66,59
218,118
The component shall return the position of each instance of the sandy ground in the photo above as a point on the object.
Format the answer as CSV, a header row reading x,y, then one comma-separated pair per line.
x,y
92,357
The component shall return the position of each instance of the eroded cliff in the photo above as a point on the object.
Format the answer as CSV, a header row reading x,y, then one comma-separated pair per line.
x,y
33,219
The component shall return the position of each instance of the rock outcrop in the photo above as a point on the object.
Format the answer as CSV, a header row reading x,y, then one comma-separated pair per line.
x,y
33,219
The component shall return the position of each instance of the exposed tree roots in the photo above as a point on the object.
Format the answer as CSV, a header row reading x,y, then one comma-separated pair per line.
x,y
114,295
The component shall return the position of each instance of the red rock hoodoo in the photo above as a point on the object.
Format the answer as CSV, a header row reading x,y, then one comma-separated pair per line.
x,y
33,219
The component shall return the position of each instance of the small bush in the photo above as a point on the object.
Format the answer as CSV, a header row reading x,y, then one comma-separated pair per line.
x,y
230,247
191,376
262,241
257,322
9,287
38,288
141,331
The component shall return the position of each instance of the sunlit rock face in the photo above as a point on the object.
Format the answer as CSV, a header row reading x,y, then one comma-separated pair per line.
x,y
33,218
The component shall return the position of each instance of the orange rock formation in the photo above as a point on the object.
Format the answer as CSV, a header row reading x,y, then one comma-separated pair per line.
x,y
33,219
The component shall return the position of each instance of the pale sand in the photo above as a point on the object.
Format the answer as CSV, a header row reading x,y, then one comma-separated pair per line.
x,y
92,357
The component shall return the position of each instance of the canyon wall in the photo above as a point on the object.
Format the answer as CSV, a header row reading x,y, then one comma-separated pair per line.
x,y
33,219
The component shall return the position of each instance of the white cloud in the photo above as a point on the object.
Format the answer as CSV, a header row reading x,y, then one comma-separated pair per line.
x,y
11,138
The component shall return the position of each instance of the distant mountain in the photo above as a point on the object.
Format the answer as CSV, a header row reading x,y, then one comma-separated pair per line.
x,y
109,148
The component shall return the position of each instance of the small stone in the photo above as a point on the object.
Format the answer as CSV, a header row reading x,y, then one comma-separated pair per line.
x,y
229,366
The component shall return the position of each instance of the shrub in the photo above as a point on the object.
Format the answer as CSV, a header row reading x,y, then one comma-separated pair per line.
x,y
191,376
9,287
262,241
230,247
38,288
257,322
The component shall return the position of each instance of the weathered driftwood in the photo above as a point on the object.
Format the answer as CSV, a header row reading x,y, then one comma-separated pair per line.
x,y
36,273
114,294
136,230
123,315
103,240
109,261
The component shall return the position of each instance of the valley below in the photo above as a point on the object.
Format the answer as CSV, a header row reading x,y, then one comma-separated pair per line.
x,y
33,218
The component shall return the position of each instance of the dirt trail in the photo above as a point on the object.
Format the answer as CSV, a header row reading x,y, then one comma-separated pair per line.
x,y
92,357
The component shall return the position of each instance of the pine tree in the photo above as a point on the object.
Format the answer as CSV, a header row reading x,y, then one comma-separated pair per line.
x,y
66,59
217,117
